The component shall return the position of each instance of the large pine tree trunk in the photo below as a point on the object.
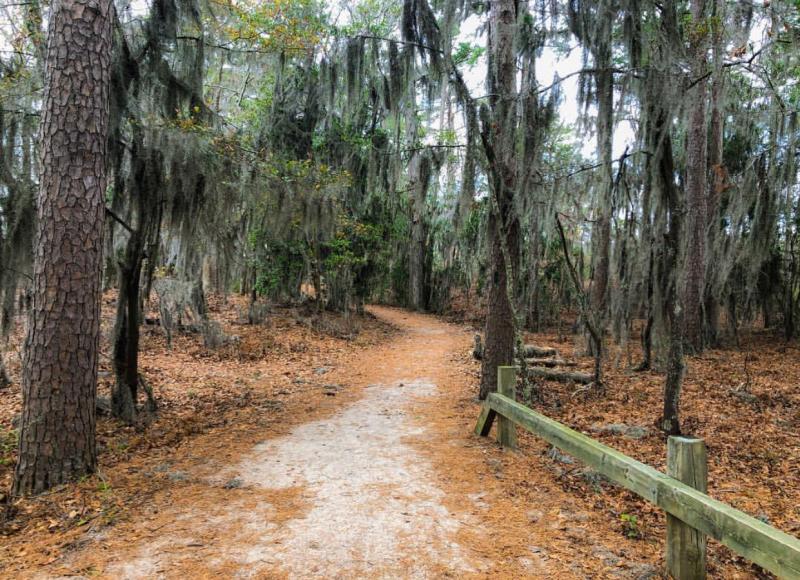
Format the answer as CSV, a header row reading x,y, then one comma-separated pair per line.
x,y
499,330
696,178
59,380
503,223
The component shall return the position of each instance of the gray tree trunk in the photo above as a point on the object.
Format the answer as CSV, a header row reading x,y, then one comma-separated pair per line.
x,y
717,174
601,233
499,142
419,179
696,181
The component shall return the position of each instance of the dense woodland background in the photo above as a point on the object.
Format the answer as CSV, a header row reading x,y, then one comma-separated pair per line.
x,y
421,154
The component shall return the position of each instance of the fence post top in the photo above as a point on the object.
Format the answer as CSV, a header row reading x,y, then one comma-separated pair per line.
x,y
686,439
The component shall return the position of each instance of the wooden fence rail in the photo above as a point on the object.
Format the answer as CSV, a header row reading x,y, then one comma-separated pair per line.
x,y
756,541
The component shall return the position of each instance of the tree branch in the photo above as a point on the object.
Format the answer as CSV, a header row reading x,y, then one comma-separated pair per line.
x,y
119,220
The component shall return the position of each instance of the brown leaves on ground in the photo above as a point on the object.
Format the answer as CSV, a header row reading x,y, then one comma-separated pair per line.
x,y
743,401
269,376
538,509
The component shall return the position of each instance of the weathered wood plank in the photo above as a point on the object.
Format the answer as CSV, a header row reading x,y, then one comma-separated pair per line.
x,y
764,545
506,386
485,420
686,547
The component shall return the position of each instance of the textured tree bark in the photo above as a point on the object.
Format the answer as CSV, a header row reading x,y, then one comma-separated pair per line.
x,y
499,331
601,233
503,223
673,305
696,181
59,380
717,174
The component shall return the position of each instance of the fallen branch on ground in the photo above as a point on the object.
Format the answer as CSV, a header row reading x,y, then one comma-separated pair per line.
x,y
550,362
531,350
561,376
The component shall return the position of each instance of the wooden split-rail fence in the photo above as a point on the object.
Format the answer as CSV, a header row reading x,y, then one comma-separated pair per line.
x,y
692,516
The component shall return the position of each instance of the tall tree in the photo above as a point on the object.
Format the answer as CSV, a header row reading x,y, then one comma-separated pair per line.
x,y
592,23
696,181
717,173
59,381
419,172
499,137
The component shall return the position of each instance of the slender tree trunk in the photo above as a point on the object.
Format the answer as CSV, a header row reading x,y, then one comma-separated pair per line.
x,y
674,379
653,136
316,275
503,224
673,302
4,380
126,331
59,379
601,232
717,173
419,178
696,182
647,332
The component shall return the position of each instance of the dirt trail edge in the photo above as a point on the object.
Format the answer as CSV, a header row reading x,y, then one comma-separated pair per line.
x,y
390,483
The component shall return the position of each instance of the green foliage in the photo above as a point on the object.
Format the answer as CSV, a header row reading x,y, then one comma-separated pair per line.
x,y
468,53
353,244
279,263
279,25
371,17
630,526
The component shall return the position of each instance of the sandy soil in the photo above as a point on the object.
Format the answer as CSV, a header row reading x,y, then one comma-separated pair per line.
x,y
349,495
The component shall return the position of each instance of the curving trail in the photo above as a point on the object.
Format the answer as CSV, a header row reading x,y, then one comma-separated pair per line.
x,y
387,483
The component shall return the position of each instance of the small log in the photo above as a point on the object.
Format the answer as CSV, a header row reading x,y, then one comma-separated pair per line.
x,y
550,362
560,376
531,350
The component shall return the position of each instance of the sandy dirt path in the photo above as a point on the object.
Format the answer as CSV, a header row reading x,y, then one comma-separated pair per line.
x,y
385,482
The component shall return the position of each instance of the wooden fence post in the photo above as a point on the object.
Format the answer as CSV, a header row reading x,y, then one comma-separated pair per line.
x,y
686,547
507,386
